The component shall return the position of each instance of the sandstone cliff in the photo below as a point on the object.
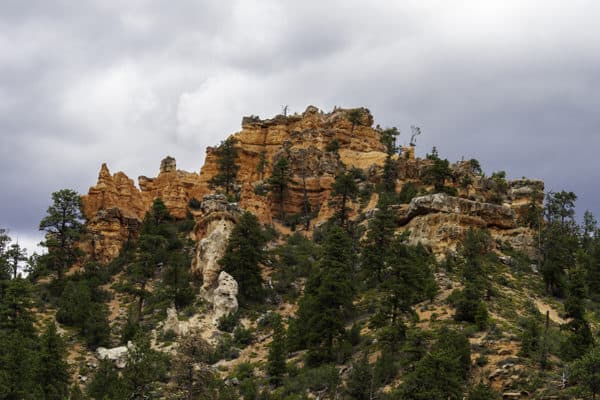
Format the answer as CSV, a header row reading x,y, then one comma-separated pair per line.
x,y
114,207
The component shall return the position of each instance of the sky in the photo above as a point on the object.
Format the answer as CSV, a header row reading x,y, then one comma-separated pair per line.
x,y
514,84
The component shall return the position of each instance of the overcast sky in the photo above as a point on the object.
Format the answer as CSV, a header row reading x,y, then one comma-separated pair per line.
x,y
514,84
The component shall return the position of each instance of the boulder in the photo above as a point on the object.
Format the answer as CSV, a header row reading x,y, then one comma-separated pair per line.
x,y
118,355
225,296
172,322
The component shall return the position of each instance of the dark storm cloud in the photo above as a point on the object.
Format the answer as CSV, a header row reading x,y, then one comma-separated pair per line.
x,y
512,83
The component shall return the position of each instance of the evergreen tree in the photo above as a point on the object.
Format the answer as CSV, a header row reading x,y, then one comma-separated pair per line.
x,y
262,164
469,305
106,383
277,352
19,360
191,371
580,337
390,175
388,139
355,118
406,281
531,337
481,391
279,183
377,245
63,227
586,372
559,240
440,374
327,299
54,371
360,379
227,157
434,378
145,368
438,173
4,259
243,255
344,190
151,253
177,278
15,254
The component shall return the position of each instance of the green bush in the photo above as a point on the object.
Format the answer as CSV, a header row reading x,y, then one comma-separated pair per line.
x,y
242,336
407,193
333,146
228,322
194,204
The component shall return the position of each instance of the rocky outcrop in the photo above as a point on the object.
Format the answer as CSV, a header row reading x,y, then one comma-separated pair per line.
x,y
439,222
225,296
522,192
481,214
107,230
115,207
216,219
118,355
305,139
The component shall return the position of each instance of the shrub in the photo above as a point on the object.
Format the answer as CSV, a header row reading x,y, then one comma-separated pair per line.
x,y
407,193
228,322
194,204
242,336
333,146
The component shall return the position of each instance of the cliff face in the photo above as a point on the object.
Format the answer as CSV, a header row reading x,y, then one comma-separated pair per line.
x,y
114,207
302,138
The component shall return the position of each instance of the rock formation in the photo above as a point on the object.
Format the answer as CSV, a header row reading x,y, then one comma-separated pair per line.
x,y
118,355
318,146
225,296
215,222
439,222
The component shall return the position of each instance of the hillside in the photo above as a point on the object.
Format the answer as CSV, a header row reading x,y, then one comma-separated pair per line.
x,y
311,257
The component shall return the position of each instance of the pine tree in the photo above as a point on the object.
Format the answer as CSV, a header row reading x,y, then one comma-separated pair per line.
x,y
344,190
63,227
243,255
15,254
276,367
481,391
191,370
470,306
376,246
151,253
19,360
327,299
54,371
4,259
407,279
145,368
559,240
279,183
388,139
580,337
106,383
360,379
586,372
227,157
440,374
437,174
355,118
